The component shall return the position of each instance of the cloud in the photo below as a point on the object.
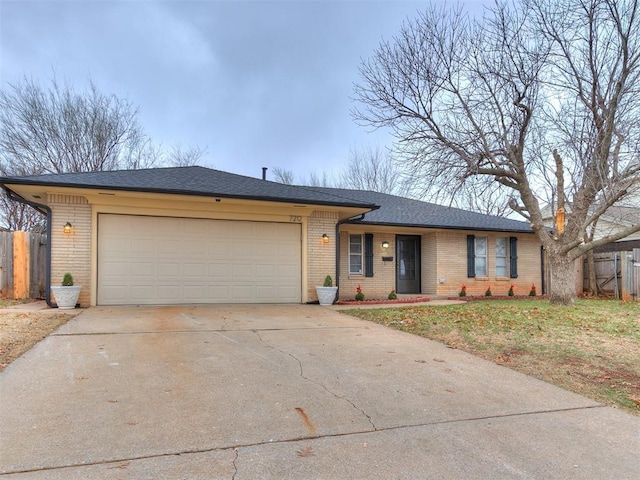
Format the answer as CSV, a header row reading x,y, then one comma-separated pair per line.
x,y
256,83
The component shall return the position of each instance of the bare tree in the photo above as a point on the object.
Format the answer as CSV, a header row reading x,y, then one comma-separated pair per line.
x,y
184,157
282,175
319,180
373,169
540,96
58,129
477,194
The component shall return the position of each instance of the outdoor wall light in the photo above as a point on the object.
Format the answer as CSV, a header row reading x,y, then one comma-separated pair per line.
x,y
67,227
325,238
385,244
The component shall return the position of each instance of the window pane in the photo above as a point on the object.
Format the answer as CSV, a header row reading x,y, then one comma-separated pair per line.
x,y
501,257
481,246
501,267
481,256
355,254
355,264
481,266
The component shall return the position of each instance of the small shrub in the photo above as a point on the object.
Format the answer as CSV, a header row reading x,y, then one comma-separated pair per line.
x,y
533,293
328,281
463,291
511,293
359,294
392,295
67,280
488,293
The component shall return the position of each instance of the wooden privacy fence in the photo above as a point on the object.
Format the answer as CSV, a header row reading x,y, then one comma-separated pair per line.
x,y
617,273
23,260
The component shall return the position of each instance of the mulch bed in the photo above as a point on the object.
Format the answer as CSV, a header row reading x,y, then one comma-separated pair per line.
x,y
473,298
382,301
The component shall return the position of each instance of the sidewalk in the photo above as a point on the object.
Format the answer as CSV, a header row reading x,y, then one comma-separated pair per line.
x,y
39,306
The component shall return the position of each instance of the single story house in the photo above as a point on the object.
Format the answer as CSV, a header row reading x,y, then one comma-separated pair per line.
x,y
190,235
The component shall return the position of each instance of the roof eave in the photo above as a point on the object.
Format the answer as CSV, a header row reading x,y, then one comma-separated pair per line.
x,y
5,181
436,226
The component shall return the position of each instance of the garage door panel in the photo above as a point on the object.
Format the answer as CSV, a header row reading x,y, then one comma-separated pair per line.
x,y
194,292
219,291
194,270
243,293
141,292
266,271
218,271
165,269
164,246
141,269
117,268
158,260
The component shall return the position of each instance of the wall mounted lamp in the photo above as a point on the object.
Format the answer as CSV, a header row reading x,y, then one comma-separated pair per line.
x,y
385,244
67,227
325,238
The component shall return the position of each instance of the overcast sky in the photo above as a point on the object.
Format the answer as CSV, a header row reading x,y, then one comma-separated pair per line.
x,y
255,83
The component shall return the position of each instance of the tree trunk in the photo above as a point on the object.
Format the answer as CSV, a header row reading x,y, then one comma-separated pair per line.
x,y
562,288
591,268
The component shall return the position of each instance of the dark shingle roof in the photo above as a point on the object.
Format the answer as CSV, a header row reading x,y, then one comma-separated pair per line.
x,y
190,181
393,210
396,210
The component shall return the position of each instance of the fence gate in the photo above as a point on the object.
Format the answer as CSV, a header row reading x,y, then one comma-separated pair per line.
x,y
632,277
23,260
617,273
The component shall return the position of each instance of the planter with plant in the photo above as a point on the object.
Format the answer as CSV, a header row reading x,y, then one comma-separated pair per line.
x,y
67,294
327,292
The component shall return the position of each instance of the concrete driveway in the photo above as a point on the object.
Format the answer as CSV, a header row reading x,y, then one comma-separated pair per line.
x,y
277,392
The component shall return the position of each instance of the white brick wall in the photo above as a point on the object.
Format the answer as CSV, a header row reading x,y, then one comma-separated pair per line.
x,y
321,256
384,273
444,256
452,265
71,252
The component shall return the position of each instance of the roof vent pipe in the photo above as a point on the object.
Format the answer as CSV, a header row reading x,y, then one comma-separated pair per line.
x,y
264,173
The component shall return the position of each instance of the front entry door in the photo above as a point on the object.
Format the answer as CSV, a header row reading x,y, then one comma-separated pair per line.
x,y
408,263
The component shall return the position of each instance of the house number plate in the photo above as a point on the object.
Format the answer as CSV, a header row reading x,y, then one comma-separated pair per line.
x,y
295,218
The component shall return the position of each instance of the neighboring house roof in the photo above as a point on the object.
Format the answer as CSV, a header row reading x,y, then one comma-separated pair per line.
x,y
193,180
615,218
385,209
403,211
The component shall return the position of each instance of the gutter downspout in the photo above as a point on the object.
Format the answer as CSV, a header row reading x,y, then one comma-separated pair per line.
x,y
39,206
340,222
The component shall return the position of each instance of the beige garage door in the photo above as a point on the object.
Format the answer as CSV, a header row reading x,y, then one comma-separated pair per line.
x,y
160,261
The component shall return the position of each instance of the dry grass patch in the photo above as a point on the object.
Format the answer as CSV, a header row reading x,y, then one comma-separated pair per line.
x,y
19,331
592,348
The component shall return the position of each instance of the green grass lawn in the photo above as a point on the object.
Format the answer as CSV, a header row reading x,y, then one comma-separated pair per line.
x,y
591,348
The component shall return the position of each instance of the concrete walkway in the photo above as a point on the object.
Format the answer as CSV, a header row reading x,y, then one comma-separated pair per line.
x,y
279,392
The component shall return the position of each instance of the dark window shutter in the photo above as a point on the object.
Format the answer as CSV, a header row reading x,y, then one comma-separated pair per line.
x,y
513,254
368,255
471,256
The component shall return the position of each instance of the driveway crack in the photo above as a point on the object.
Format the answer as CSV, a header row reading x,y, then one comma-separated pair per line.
x,y
321,385
235,466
